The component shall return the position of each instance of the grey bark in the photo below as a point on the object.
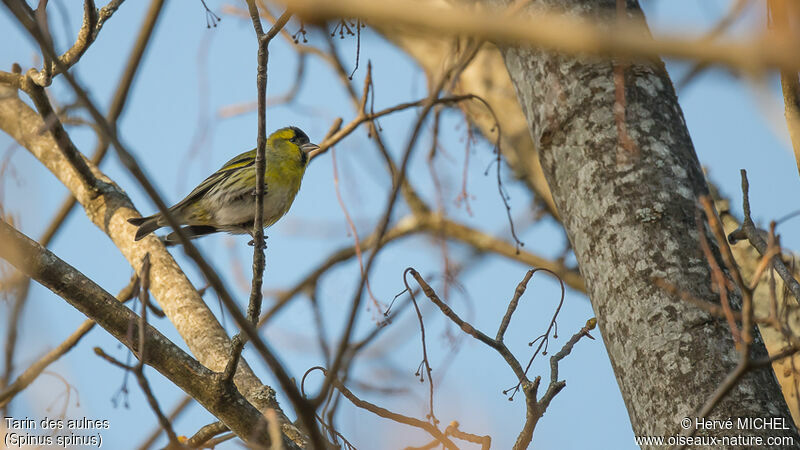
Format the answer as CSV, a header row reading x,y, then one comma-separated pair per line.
x,y
630,216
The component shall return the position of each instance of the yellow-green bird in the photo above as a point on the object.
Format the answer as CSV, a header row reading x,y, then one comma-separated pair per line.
x,y
226,200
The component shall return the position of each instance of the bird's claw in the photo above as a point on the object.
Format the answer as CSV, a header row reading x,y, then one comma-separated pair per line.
x,y
254,192
263,242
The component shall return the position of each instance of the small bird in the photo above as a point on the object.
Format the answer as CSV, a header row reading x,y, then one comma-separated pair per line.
x,y
226,200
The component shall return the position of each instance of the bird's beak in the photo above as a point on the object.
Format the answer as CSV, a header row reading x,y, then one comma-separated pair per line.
x,y
309,147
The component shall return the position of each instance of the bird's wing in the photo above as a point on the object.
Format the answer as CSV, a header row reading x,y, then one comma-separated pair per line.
x,y
239,162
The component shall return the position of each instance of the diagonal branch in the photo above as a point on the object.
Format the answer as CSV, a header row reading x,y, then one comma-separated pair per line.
x,y
751,233
31,373
554,31
91,25
110,211
534,408
385,413
43,266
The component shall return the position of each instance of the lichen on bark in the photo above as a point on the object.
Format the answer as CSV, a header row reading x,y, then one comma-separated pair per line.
x,y
629,212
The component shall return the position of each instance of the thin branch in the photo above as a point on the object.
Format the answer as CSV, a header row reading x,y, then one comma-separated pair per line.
x,y
56,128
373,130
302,407
733,269
53,65
385,413
560,33
138,369
747,314
145,386
425,362
749,231
512,306
534,409
21,289
718,278
204,434
555,359
484,441
369,117
118,102
211,276
254,305
500,347
177,410
351,225
90,299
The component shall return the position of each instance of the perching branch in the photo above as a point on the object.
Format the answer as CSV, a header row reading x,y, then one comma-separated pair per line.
x,y
254,305
110,211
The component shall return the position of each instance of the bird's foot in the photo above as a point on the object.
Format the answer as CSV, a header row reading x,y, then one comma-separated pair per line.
x,y
254,192
252,242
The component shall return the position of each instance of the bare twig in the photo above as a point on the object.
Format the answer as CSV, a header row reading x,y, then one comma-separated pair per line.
x,y
733,14
53,65
368,117
204,434
177,410
749,231
512,306
425,362
212,277
383,412
747,314
718,278
56,128
535,409
554,31
303,408
254,305
118,102
452,430
138,369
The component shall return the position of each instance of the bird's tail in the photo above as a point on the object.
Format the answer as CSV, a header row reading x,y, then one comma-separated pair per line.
x,y
191,232
146,225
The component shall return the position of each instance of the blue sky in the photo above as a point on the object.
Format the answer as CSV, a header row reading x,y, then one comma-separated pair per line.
x,y
190,72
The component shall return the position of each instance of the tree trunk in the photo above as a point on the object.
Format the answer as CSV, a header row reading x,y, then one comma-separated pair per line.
x,y
629,211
